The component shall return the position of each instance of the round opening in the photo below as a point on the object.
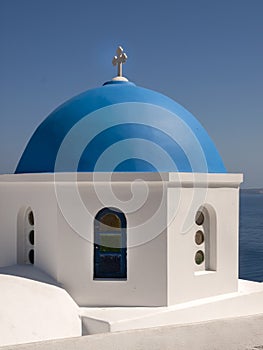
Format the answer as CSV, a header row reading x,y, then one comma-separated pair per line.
x,y
199,237
199,218
31,237
31,256
31,218
199,257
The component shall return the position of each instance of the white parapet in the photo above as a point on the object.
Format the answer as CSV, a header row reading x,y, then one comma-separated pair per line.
x,y
31,310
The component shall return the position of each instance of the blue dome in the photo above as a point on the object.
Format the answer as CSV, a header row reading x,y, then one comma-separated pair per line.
x,y
120,127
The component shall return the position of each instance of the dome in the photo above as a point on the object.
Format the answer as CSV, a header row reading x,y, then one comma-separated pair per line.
x,y
120,127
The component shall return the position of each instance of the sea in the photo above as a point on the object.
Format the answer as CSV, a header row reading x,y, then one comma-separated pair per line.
x,y
251,237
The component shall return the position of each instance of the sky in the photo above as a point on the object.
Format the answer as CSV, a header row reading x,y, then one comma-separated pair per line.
x,y
205,54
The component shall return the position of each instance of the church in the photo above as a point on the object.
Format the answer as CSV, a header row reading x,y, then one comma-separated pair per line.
x,y
120,215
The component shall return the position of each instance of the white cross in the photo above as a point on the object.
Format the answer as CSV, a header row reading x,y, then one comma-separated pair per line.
x,y
119,60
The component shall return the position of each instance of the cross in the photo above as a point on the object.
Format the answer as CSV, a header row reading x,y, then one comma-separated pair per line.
x,y
119,60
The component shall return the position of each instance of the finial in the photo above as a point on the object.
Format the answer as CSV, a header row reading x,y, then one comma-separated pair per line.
x,y
119,59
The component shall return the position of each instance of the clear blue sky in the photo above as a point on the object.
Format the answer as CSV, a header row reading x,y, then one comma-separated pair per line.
x,y
205,54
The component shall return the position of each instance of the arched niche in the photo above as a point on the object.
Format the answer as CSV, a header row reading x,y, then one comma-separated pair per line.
x,y
206,238
26,236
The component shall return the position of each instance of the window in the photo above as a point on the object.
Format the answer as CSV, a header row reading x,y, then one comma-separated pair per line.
x,y
110,244
205,239
199,257
26,236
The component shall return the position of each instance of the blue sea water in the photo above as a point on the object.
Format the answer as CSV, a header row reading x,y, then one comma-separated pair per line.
x,y
251,237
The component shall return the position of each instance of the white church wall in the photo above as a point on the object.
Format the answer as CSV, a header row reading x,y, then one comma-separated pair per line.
x,y
161,266
146,283
8,219
187,281
46,228
18,194
16,198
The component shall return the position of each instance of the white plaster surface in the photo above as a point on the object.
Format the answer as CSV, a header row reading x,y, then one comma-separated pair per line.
x,y
164,285
160,254
247,301
31,310
243,333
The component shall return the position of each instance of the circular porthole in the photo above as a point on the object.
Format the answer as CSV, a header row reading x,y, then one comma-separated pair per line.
x,y
199,218
31,218
31,237
199,257
199,237
31,256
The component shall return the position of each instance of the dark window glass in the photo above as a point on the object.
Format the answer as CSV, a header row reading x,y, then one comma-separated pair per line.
x,y
31,218
199,257
199,237
31,237
110,244
31,256
199,218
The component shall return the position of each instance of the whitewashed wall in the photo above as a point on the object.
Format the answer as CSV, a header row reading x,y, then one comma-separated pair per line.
x,y
186,283
160,268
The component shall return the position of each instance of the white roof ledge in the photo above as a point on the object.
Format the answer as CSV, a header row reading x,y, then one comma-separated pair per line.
x,y
172,179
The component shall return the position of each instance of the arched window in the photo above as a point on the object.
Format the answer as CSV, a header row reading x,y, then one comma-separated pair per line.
x,y
110,244
26,236
206,239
